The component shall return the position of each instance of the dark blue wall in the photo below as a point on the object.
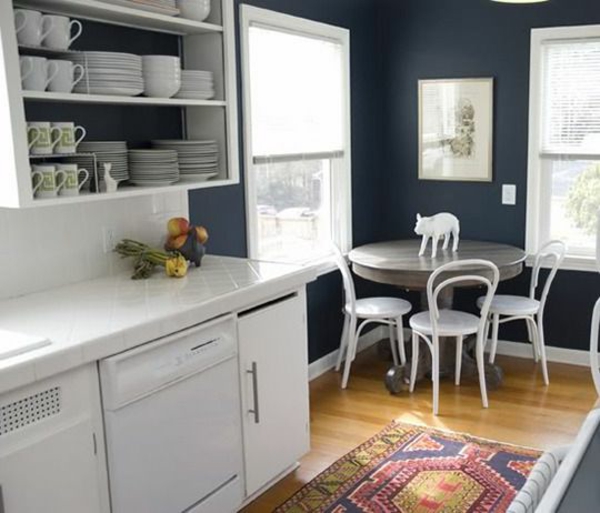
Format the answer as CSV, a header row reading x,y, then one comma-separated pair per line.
x,y
424,39
222,210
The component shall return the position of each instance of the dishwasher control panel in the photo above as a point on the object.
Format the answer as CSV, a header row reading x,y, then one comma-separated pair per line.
x,y
134,374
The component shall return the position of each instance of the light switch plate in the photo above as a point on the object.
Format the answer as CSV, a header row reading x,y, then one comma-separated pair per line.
x,y
509,194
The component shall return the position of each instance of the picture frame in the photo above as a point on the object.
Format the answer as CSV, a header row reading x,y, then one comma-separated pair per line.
x,y
456,122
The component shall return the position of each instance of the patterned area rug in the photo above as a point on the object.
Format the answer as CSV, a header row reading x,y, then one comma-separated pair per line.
x,y
415,469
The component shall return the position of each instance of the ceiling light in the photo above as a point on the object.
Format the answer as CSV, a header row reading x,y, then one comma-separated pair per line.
x,y
520,1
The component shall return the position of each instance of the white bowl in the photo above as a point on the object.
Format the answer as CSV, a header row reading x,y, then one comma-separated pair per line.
x,y
160,61
197,10
159,88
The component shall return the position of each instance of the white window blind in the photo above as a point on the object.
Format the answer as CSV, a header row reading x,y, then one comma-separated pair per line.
x,y
296,88
571,97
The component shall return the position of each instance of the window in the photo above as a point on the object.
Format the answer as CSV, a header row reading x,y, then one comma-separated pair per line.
x,y
297,136
564,154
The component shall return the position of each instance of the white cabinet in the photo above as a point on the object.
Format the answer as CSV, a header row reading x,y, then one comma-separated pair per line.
x,y
274,377
52,446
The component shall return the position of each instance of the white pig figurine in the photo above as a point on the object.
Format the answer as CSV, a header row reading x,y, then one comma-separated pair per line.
x,y
435,227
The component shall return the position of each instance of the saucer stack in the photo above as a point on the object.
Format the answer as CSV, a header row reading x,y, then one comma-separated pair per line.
x,y
106,152
153,167
109,73
196,85
198,160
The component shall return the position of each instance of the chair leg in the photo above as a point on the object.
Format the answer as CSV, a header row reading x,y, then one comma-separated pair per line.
x,y
393,345
495,327
435,370
533,338
458,364
481,370
542,349
343,343
352,338
401,348
415,361
486,332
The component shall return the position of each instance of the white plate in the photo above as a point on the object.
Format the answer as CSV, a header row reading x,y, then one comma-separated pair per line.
x,y
115,91
197,178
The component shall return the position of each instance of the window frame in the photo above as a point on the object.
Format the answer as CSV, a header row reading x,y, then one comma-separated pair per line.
x,y
536,185
341,181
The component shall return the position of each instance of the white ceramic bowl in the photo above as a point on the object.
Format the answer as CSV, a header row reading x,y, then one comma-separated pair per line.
x,y
161,87
197,10
160,62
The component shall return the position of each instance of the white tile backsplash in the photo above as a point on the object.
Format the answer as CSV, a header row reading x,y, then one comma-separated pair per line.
x,y
49,247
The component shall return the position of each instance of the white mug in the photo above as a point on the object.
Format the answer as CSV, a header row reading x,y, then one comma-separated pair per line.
x,y
50,181
41,137
68,76
66,139
72,184
29,27
60,29
36,73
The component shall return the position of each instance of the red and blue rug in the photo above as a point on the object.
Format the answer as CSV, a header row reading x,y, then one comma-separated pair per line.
x,y
415,469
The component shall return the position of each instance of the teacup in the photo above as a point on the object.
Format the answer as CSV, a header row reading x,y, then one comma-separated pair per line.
x,y
66,137
72,184
29,27
41,137
68,76
36,73
59,31
49,181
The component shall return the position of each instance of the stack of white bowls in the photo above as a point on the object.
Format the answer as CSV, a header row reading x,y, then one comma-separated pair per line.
x,y
197,10
162,75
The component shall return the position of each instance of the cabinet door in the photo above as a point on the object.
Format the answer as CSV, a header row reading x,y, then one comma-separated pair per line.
x,y
274,368
56,473
52,446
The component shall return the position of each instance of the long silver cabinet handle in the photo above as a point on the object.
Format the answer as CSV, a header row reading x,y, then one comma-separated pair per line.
x,y
256,410
1,500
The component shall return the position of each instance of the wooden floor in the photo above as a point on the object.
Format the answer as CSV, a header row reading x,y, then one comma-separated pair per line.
x,y
522,412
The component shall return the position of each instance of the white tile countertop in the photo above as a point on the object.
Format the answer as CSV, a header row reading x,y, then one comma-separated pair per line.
x,y
92,320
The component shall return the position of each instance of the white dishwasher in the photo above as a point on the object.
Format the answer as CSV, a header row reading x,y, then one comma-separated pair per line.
x,y
172,420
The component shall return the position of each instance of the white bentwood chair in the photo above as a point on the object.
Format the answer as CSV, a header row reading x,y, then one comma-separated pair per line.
x,y
380,310
594,360
435,323
528,309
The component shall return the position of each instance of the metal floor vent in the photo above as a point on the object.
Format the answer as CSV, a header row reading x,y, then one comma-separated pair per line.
x,y
29,410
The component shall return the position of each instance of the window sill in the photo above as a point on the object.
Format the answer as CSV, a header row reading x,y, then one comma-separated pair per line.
x,y
573,263
323,266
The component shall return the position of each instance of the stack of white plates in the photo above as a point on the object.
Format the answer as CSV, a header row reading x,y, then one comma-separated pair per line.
x,y
198,160
106,152
153,167
166,7
197,85
110,73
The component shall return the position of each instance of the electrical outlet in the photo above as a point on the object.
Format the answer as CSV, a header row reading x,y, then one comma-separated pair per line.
x,y
109,238
509,194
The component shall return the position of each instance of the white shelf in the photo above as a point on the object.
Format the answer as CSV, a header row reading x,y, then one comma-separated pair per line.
x,y
127,191
118,100
97,10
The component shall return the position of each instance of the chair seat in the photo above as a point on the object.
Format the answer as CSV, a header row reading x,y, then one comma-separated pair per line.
x,y
512,305
451,323
381,308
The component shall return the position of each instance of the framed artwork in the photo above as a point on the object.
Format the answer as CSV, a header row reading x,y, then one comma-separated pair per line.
x,y
456,129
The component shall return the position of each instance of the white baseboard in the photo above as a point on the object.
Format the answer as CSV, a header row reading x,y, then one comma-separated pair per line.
x,y
505,347
321,366
554,354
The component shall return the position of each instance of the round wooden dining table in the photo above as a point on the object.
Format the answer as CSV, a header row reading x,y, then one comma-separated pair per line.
x,y
398,263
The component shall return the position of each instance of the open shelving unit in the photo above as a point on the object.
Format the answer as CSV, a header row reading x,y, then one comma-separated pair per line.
x,y
208,45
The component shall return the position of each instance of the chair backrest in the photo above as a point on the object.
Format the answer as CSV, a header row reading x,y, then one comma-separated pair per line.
x,y
554,251
433,290
349,290
594,358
